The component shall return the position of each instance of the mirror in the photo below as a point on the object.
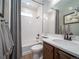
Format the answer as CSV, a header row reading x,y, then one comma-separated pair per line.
x,y
68,18
49,18
2,8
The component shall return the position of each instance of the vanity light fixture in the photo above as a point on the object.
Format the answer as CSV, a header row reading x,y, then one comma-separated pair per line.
x,y
76,10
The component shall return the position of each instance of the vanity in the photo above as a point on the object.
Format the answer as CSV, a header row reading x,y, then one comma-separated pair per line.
x,y
54,48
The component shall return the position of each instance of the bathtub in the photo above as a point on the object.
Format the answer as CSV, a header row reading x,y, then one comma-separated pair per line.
x,y
26,45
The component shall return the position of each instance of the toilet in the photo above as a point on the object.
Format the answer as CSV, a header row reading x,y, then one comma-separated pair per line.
x,y
37,51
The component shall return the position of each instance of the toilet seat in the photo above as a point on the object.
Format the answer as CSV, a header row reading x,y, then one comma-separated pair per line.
x,y
37,47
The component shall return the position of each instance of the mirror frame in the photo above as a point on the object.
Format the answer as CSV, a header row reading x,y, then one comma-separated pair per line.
x,y
69,22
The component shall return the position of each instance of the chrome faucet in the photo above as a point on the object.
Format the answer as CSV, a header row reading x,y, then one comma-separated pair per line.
x,y
68,36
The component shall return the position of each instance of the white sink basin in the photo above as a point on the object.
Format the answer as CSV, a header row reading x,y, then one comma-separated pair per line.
x,y
71,47
66,42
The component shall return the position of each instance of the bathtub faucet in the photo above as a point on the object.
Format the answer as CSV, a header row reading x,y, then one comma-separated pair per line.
x,y
38,36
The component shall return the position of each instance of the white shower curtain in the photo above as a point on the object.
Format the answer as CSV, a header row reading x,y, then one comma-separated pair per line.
x,y
6,39
1,44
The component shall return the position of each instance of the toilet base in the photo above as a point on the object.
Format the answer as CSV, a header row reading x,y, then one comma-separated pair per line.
x,y
36,56
37,51
41,57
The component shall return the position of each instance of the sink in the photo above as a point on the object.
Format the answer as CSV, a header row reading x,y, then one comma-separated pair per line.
x,y
65,42
61,41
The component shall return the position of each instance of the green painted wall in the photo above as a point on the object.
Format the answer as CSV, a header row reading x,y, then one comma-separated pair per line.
x,y
63,7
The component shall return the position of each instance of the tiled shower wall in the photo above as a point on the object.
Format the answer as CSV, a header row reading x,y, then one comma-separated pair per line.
x,y
31,26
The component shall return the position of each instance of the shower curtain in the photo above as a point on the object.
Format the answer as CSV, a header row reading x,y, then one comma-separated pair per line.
x,y
6,42
1,44
16,28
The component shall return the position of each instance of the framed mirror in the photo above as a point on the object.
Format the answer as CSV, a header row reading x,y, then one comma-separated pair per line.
x,y
1,8
71,18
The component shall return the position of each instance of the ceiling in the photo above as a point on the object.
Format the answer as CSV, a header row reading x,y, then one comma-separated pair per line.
x,y
65,3
33,4
62,5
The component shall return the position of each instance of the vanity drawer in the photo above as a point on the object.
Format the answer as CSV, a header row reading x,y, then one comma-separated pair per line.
x,y
51,52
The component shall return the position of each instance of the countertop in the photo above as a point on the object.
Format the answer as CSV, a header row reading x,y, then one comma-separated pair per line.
x,y
71,47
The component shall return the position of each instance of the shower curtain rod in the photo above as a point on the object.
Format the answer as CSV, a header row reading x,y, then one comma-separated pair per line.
x,y
37,2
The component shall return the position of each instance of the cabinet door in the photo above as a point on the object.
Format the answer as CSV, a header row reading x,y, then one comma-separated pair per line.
x,y
74,58
63,55
47,51
56,55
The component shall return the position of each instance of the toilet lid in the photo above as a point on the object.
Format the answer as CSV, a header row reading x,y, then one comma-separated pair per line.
x,y
37,47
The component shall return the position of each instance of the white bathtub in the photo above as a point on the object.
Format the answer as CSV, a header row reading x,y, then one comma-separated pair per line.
x,y
26,45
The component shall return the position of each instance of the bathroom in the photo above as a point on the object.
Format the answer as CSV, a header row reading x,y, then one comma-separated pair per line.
x,y
39,29
43,19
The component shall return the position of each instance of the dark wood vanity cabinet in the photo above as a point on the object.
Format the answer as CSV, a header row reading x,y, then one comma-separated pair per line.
x,y
50,52
63,55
